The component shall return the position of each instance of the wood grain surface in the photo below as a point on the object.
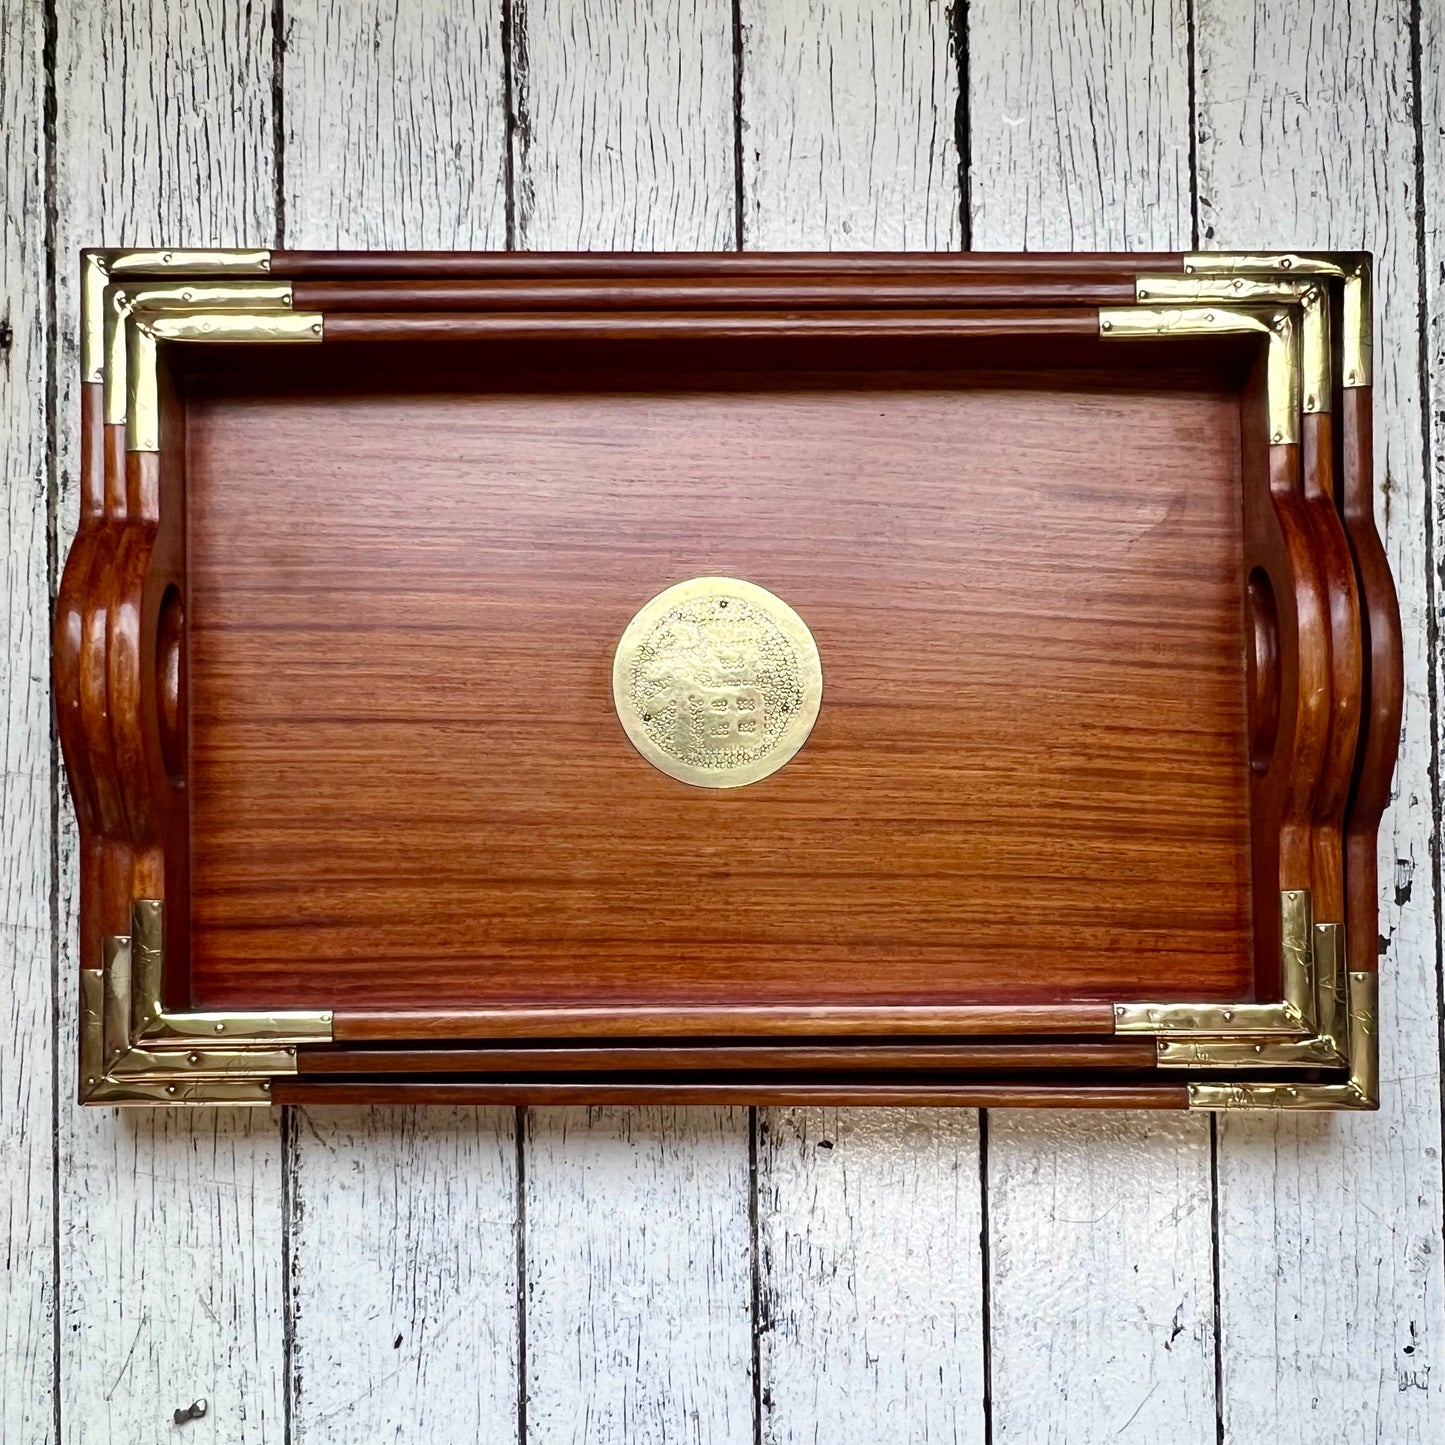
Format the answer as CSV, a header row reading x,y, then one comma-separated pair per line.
x,y
27,1087
339,628
396,136
1356,1296
1079,130
163,131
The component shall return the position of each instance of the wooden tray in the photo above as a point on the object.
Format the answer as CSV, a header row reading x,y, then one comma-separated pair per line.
x,y
1109,650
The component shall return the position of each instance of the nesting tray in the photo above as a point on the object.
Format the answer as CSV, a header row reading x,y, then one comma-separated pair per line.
x,y
416,755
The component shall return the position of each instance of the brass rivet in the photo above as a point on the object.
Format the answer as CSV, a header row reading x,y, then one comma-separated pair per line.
x,y
1285,263
1351,376
291,1052
1209,316
1143,294
266,1085
1106,326
170,1088
1259,1048
193,1058
1164,1044
220,1028
1228,1016
187,295
1237,283
265,263
1189,270
1278,436
1119,1010
316,327
1309,403
166,259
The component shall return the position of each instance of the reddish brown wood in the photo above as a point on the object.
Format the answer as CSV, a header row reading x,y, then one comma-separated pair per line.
x,y
409,789
1337,574
1096,657
687,1020
1121,1053
606,293
702,326
1383,682
843,1094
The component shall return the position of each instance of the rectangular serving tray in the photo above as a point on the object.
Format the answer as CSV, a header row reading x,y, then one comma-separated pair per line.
x,y
1110,656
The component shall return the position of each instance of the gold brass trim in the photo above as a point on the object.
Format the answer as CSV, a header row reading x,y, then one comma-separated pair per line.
x,y
1309,294
1293,1016
1357,341
133,1051
94,277
1283,378
1357,355
120,301
144,328
1326,1050
179,261
1360,1091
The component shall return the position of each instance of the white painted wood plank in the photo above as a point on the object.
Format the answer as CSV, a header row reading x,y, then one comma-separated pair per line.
x,y
1078,126
870,1289
870,1273
402,1225
1102,1297
403,1276
170,1222
638,1269
1330,1230
394,125
638,1299
1101,1289
623,132
848,121
27,1279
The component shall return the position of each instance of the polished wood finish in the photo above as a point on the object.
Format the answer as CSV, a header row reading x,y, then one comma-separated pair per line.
x,y
921,1094
759,1058
1383,680
1104,670
408,786
685,1020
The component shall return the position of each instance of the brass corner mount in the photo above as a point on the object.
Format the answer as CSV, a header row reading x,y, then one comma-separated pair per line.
x,y
135,1051
1325,1021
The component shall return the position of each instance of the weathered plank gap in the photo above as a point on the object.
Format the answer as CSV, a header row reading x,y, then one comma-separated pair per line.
x,y
288,1287
1432,615
278,148
1214,1264
739,242
509,133
519,1127
985,1316
1193,102
754,1263
50,23
962,122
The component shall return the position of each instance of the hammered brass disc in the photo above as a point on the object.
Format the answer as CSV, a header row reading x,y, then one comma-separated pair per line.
x,y
717,682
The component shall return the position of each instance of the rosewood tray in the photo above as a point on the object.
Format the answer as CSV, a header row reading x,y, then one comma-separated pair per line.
x,y
778,678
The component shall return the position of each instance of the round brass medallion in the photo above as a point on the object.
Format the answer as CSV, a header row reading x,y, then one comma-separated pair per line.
x,y
717,682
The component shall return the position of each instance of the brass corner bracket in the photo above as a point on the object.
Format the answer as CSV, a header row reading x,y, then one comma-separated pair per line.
x,y
98,265
1280,323
1294,1016
134,1051
1326,1021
